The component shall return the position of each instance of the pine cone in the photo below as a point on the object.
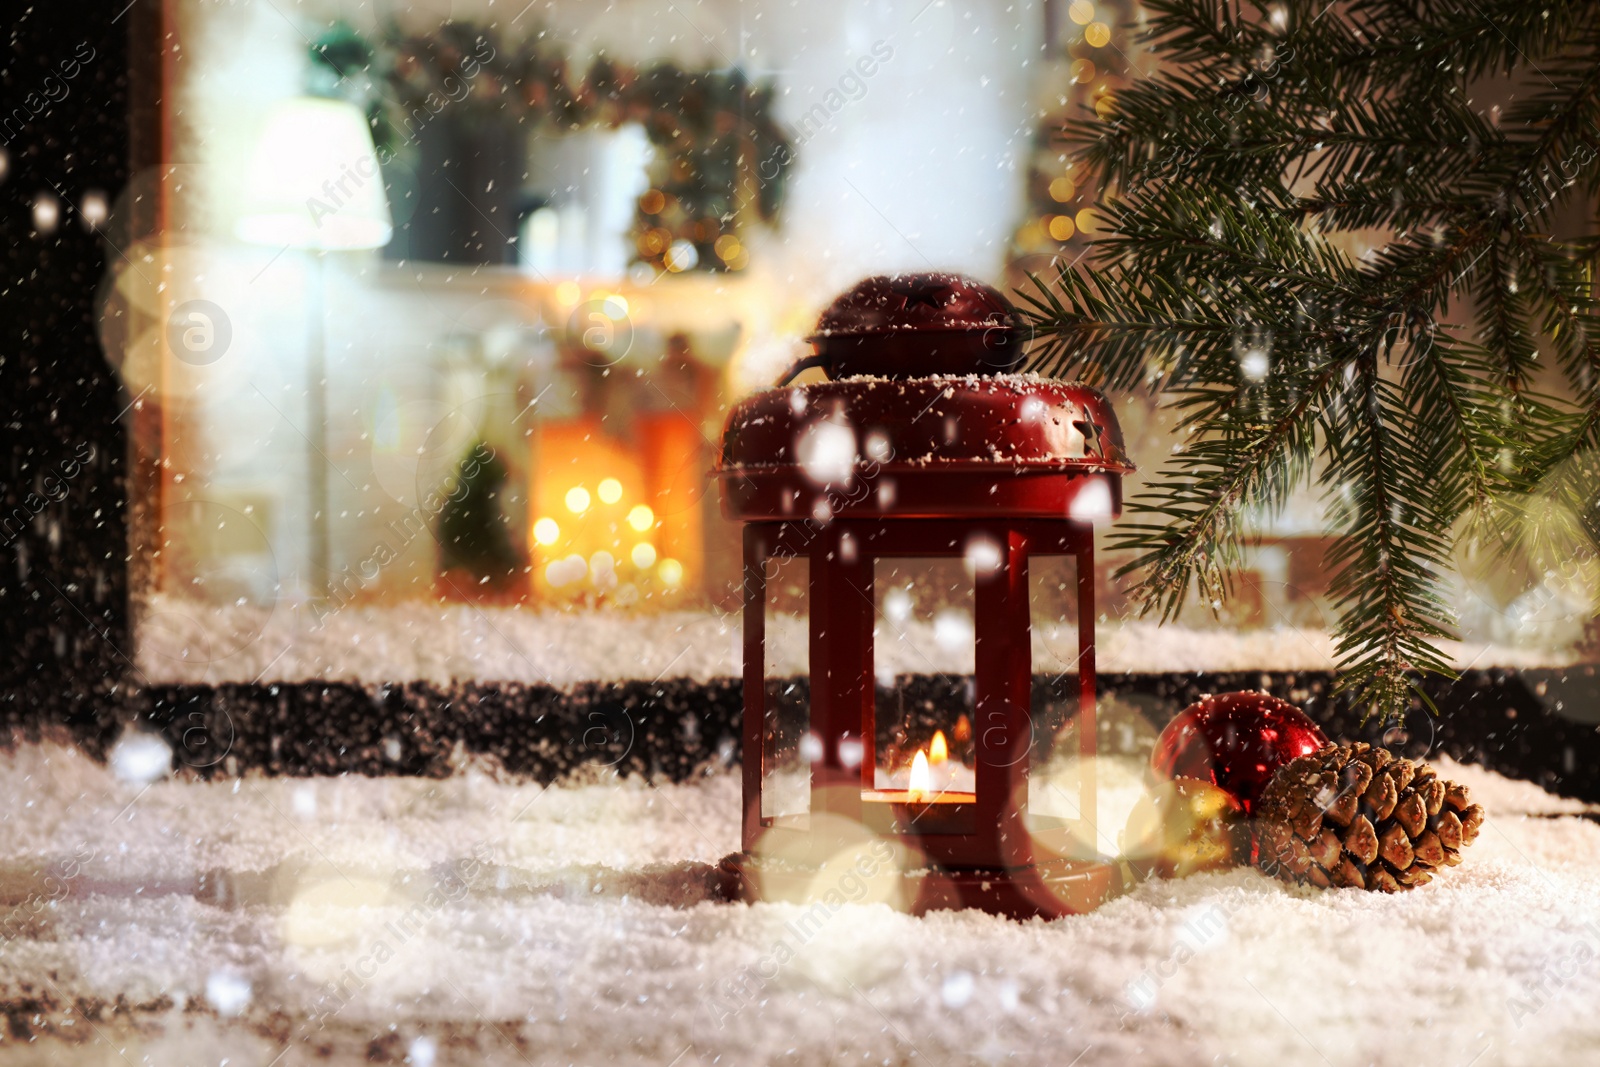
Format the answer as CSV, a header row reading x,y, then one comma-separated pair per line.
x,y
1353,815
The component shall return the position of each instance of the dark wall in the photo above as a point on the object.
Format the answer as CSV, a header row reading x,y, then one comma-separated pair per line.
x,y
64,126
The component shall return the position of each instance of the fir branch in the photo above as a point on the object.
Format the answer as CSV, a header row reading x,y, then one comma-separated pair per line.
x,y
1504,312
1232,177
1452,382
1198,502
1386,562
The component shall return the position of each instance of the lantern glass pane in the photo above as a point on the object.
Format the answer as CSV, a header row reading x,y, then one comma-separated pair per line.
x,y
1061,783
923,653
786,737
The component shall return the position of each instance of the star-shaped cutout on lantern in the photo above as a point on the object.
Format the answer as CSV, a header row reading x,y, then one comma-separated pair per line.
x,y
1092,445
918,291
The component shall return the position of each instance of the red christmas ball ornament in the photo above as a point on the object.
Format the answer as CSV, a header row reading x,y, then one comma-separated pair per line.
x,y
1236,741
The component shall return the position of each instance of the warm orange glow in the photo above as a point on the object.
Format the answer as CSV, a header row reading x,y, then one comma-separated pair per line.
x,y
963,729
570,455
938,749
673,460
639,501
921,783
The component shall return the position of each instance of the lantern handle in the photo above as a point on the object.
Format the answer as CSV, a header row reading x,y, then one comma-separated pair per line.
x,y
798,367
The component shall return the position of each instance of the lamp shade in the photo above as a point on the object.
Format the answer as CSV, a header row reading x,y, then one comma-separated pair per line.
x,y
314,180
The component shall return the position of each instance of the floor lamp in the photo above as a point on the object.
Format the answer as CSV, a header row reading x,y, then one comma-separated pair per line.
x,y
314,184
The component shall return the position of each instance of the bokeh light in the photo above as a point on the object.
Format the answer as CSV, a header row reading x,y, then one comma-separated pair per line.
x,y
681,257
46,213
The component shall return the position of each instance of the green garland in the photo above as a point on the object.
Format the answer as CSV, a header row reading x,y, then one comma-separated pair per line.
x,y
720,160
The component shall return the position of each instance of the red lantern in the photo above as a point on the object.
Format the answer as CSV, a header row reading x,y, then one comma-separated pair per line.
x,y
981,476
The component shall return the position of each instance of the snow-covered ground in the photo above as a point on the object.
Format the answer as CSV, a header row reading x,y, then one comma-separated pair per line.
x,y
474,920
181,641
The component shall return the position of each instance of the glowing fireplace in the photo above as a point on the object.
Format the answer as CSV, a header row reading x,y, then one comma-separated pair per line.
x,y
614,519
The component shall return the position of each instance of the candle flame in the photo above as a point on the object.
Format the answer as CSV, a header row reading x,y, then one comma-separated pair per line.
x,y
921,780
963,729
938,749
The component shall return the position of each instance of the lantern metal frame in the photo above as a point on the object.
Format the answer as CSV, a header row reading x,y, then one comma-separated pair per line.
x,y
990,853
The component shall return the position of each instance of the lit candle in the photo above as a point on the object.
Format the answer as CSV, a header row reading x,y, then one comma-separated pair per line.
x,y
921,783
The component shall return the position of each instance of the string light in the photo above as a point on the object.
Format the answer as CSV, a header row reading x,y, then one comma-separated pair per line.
x,y
731,251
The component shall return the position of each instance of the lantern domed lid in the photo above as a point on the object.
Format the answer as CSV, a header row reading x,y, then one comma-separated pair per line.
x,y
916,326
928,301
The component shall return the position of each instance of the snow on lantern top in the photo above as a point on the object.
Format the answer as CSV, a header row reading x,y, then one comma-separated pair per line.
x,y
913,325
